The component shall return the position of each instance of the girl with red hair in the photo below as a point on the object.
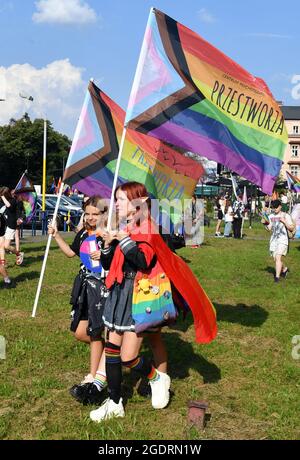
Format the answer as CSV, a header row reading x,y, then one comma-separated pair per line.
x,y
130,253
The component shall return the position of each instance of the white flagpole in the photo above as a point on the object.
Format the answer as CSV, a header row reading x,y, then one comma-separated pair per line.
x,y
111,204
136,79
46,254
233,186
25,172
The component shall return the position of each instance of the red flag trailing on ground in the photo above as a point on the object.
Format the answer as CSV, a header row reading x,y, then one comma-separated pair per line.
x,y
191,95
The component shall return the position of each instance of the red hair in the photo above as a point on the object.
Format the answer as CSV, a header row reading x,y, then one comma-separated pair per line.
x,y
134,191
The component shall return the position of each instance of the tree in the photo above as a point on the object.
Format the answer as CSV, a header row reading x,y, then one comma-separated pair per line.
x,y
21,148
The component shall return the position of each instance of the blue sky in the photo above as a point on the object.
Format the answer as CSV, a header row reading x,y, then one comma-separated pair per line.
x,y
50,48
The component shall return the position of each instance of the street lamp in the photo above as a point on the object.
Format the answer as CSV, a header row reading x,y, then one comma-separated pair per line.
x,y
30,98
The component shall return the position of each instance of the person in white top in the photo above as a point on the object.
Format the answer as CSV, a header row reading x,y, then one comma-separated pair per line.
x,y
279,224
228,218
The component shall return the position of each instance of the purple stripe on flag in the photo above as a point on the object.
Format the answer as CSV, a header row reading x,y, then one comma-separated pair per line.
x,y
216,151
90,186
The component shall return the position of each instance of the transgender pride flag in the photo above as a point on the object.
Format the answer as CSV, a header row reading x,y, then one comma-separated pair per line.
x,y
191,95
26,193
91,165
293,182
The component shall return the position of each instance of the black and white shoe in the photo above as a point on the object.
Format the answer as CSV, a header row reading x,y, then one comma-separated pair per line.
x,y
87,393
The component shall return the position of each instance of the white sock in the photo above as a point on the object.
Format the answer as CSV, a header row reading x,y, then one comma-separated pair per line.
x,y
7,280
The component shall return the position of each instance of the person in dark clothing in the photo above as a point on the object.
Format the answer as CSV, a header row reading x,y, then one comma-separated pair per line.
x,y
3,271
89,291
10,215
238,209
117,315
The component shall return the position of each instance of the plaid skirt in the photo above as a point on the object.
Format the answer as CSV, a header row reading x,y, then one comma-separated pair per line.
x,y
117,315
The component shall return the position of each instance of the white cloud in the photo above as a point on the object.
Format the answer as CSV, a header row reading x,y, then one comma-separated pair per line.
x,y
57,90
266,35
64,12
206,16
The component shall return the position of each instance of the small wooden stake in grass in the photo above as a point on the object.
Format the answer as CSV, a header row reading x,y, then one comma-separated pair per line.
x,y
196,413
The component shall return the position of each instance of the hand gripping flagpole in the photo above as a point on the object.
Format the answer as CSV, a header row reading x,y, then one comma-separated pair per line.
x,y
46,254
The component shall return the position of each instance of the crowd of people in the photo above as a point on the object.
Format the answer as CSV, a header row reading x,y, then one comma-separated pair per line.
x,y
131,284
232,214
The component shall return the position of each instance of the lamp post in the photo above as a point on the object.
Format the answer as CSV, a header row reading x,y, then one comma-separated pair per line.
x,y
30,98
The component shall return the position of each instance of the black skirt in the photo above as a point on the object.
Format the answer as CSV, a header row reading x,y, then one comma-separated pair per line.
x,y
88,299
117,314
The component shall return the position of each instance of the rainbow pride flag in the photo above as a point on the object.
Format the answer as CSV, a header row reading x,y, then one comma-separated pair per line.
x,y
91,165
293,182
25,192
190,94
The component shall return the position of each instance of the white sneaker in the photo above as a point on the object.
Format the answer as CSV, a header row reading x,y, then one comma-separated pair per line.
x,y
109,409
160,391
87,379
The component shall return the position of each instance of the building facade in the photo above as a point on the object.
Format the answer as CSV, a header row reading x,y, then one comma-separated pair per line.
x,y
292,153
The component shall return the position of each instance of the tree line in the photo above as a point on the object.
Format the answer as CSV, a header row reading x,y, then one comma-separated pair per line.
x,y
21,148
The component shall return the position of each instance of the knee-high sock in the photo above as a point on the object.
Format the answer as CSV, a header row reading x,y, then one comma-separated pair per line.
x,y
143,366
113,370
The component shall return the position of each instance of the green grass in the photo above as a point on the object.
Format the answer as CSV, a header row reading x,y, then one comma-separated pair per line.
x,y
247,374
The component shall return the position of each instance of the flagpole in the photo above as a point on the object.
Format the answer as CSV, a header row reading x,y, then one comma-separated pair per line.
x,y
114,186
233,186
25,172
44,167
46,254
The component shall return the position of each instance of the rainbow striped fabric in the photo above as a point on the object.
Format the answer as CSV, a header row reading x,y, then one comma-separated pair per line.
x,y
92,160
26,192
293,182
190,94
152,301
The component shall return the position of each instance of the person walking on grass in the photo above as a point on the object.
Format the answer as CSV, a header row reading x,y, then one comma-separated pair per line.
x,y
279,224
130,254
89,291
238,208
194,215
220,216
10,215
3,270
228,218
